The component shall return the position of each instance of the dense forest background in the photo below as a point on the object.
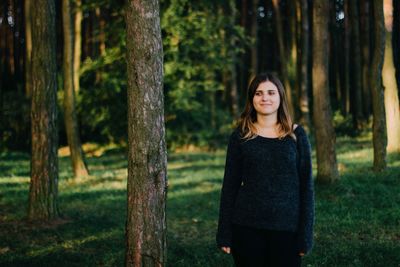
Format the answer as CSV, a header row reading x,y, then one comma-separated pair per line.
x,y
211,50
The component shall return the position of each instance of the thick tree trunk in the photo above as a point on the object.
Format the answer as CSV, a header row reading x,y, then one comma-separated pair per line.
x,y
28,48
71,125
356,64
392,107
324,132
44,162
304,72
77,43
365,47
282,56
396,41
378,106
147,185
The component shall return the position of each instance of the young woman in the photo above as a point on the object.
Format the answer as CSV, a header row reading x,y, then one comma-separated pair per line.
x,y
267,198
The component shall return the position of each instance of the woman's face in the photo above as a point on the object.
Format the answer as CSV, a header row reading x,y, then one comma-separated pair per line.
x,y
266,99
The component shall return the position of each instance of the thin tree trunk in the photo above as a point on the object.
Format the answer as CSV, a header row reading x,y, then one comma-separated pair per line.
x,y
102,34
324,132
347,69
44,162
282,56
392,107
356,64
254,35
231,12
365,47
77,43
378,106
304,72
147,158
28,48
71,125
243,67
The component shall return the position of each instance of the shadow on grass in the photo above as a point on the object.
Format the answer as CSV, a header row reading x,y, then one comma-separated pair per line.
x,y
92,235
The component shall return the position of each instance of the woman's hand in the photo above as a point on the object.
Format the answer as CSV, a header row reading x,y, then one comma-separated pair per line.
x,y
227,250
301,254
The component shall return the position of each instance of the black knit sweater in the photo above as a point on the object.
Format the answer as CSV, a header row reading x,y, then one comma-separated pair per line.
x,y
268,185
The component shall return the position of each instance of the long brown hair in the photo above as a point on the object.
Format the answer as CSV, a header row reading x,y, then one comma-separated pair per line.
x,y
249,115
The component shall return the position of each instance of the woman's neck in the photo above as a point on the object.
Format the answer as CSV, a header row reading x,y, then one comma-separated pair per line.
x,y
267,121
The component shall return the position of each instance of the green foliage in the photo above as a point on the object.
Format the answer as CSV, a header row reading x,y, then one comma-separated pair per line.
x,y
200,42
356,219
102,105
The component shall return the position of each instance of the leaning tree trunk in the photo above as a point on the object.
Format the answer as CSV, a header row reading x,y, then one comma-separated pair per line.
x,y
147,158
378,107
324,132
71,125
392,107
44,162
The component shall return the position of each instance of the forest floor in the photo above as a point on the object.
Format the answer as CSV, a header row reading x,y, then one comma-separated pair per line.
x,y
357,218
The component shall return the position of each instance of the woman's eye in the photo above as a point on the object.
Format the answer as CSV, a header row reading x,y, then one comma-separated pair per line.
x,y
272,93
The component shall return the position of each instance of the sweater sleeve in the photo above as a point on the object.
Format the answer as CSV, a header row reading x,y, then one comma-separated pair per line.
x,y
306,220
230,187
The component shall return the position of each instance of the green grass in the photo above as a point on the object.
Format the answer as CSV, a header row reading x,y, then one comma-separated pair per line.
x,y
357,219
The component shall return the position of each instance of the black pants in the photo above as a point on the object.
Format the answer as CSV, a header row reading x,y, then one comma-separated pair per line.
x,y
264,248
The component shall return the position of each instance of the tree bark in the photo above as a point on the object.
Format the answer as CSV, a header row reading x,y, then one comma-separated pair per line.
x,y
28,48
347,69
304,72
44,162
147,160
356,64
366,58
392,107
324,132
378,106
396,41
254,35
231,75
77,43
282,56
71,122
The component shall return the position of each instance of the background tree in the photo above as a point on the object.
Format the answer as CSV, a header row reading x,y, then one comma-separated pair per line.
x,y
356,78
71,125
303,65
378,107
77,43
28,48
43,189
283,59
324,132
147,158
